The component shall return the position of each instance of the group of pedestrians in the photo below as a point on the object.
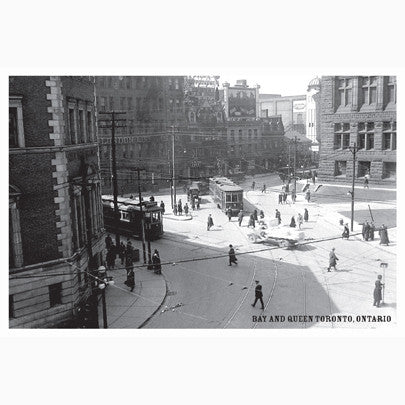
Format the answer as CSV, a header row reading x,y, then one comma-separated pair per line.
x,y
179,208
368,232
300,218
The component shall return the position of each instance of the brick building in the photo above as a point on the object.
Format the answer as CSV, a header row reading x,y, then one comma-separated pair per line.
x,y
53,153
154,107
361,110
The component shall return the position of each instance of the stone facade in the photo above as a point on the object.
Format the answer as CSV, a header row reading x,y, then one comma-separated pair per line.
x,y
362,111
49,263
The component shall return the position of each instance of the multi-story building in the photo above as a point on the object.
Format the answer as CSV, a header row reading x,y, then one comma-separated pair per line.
x,y
154,107
55,211
361,111
254,143
291,108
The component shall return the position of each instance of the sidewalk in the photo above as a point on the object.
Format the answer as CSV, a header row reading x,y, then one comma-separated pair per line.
x,y
126,309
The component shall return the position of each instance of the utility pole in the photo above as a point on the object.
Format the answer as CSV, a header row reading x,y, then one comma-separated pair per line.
x,y
173,171
114,169
295,164
354,150
141,213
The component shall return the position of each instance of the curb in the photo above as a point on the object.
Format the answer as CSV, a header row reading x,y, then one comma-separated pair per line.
x,y
176,218
144,323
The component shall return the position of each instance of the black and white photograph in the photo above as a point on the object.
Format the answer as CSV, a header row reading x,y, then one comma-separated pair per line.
x,y
204,202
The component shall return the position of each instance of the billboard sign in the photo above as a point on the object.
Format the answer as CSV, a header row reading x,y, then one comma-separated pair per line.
x,y
299,106
242,102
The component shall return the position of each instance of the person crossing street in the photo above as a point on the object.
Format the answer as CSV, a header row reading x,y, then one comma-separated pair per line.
x,y
232,256
258,294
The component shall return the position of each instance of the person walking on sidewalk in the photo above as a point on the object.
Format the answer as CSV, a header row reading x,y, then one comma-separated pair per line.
x,y
110,258
293,196
251,221
108,242
332,259
383,232
240,217
299,220
179,208
157,267
232,256
292,222
346,233
366,180
365,230
378,291
280,198
229,214
306,215
278,216
258,294
162,205
285,197
264,188
253,185
175,209
121,252
186,209
308,196
210,222
371,231
255,214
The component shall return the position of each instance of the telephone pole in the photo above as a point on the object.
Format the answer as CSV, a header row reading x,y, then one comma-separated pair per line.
x,y
354,150
173,172
114,167
138,170
295,163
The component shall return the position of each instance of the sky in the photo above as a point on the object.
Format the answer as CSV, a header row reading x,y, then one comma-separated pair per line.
x,y
273,83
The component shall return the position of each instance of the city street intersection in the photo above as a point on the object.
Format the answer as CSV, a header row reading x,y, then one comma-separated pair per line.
x,y
199,290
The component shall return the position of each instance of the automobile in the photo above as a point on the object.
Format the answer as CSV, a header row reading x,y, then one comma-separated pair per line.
x,y
282,236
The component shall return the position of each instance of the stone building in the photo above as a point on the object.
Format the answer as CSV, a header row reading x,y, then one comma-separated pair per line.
x,y
55,212
358,110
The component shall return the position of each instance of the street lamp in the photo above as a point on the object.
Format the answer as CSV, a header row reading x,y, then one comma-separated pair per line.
x,y
354,150
102,282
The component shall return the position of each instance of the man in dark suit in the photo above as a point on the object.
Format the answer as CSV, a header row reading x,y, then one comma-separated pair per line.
x,y
258,294
232,256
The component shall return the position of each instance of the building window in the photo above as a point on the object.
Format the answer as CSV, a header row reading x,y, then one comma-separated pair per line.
x,y
72,125
240,134
250,133
342,135
345,92
390,170
82,126
89,123
55,294
363,168
365,137
11,313
171,104
369,89
176,81
389,135
15,123
255,132
340,168
103,103
392,89
122,103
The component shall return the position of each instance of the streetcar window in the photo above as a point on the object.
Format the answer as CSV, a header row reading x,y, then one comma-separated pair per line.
x,y
228,198
234,197
124,216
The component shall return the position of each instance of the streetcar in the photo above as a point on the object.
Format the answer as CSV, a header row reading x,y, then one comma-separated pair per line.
x,y
130,217
226,194
193,192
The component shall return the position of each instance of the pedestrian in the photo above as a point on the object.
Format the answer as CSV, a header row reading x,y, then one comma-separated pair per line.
x,y
198,204
261,214
264,188
383,232
121,252
193,204
313,177
129,256
179,208
332,259
287,188
253,185
175,209
365,230
186,209
240,217
278,216
292,222
346,232
371,231
308,195
229,214
108,242
110,258
306,215
162,205
366,180
378,291
255,214
252,221
130,281
157,267
285,198
280,198
210,222
232,256
299,220
293,196
258,294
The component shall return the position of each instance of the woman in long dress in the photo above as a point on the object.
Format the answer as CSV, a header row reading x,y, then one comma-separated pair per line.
x,y
378,291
